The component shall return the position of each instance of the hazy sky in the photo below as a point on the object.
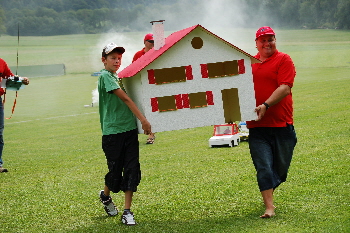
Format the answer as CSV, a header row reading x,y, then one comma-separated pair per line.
x,y
224,18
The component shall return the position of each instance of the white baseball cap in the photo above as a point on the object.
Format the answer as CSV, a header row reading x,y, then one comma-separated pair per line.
x,y
112,46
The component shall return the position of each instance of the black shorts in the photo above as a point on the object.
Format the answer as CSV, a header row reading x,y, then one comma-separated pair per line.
x,y
122,154
271,149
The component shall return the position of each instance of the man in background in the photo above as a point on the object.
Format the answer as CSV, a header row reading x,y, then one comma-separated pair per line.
x,y
149,44
5,72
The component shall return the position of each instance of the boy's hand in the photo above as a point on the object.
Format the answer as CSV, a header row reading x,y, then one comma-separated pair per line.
x,y
146,126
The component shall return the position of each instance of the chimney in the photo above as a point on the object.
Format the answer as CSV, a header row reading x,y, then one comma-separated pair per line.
x,y
158,34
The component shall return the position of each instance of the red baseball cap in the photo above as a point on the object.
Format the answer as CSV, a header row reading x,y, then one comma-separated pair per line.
x,y
148,37
264,31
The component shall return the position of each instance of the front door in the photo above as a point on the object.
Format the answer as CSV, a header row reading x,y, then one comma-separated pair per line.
x,y
230,101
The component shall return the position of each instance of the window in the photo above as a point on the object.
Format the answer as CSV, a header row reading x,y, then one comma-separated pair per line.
x,y
170,75
222,69
197,43
229,129
166,103
180,101
198,100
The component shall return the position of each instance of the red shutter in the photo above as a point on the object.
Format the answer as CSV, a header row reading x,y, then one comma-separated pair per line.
x,y
151,78
189,74
154,104
241,67
186,101
204,70
178,101
210,98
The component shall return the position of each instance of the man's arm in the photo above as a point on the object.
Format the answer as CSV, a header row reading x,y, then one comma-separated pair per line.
x,y
146,126
281,92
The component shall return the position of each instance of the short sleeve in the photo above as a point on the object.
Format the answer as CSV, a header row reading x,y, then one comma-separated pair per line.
x,y
109,81
5,71
286,71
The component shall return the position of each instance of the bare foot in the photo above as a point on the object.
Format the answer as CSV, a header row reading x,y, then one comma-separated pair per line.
x,y
269,213
266,215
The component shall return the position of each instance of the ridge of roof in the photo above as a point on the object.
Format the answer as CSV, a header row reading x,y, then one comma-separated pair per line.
x,y
152,55
170,41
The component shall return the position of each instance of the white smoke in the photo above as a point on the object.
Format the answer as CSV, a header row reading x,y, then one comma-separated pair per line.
x,y
132,43
94,97
222,17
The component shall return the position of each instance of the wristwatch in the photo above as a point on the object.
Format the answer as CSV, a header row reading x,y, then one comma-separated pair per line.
x,y
266,105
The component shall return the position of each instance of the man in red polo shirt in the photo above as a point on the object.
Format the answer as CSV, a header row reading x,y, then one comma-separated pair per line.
x,y
271,136
149,44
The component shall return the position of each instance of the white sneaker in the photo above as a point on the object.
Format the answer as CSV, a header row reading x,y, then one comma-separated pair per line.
x,y
128,218
109,206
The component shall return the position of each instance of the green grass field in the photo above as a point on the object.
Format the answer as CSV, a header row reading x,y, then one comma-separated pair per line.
x,y
56,164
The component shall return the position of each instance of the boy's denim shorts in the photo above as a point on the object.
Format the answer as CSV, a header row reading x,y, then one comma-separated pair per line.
x,y
271,149
122,154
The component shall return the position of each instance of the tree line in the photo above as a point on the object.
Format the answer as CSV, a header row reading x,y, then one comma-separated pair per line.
x,y
60,17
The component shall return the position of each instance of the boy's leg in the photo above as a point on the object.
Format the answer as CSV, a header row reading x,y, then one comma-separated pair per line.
x,y
107,202
128,216
106,191
128,199
111,145
131,164
131,174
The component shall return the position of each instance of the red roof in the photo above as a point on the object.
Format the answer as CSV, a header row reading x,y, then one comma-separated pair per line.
x,y
152,55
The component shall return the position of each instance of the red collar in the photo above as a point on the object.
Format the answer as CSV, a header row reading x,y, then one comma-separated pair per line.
x,y
269,58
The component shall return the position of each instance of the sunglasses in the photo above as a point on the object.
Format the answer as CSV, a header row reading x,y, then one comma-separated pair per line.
x,y
150,41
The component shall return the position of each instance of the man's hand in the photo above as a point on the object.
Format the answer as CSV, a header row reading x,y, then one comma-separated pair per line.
x,y
281,92
260,110
25,80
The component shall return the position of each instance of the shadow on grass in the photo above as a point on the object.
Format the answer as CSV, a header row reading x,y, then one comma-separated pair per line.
x,y
215,223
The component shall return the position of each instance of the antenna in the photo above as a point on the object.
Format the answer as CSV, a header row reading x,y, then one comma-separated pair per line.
x,y
17,46
15,101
